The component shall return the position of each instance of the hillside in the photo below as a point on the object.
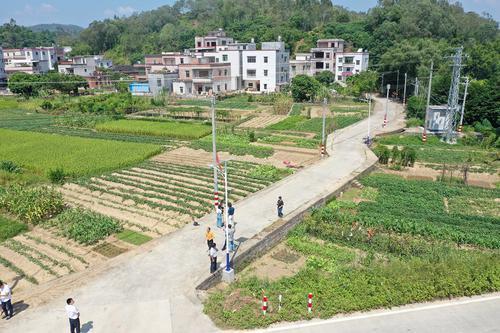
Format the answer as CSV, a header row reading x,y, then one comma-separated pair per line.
x,y
60,29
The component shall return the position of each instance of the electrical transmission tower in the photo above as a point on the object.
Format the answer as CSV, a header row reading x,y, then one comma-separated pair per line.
x,y
453,109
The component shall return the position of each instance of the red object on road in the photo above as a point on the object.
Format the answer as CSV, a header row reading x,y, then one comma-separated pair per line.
x,y
309,302
264,305
322,150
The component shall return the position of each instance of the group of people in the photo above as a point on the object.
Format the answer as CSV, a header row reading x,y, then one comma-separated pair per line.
x,y
210,236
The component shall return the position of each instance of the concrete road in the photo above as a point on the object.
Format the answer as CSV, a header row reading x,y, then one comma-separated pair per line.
x,y
480,314
152,289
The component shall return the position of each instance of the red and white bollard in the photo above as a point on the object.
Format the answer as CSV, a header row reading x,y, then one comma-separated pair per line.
x,y
264,305
216,198
459,128
424,136
385,121
310,302
323,153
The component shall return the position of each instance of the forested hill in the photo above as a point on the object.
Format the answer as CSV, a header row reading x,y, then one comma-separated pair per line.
x,y
62,29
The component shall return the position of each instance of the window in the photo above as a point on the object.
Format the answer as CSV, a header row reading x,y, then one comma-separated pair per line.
x,y
293,69
208,43
340,60
265,86
339,68
357,62
285,58
225,72
327,55
251,59
224,57
85,70
190,90
218,87
266,59
28,53
224,42
182,60
250,84
187,73
199,44
220,72
265,72
225,86
357,71
52,57
181,89
251,72
282,69
214,43
327,65
281,77
339,77
158,82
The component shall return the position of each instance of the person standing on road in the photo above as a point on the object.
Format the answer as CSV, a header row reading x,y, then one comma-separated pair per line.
x,y
230,212
73,315
230,232
220,211
212,253
209,236
6,299
280,205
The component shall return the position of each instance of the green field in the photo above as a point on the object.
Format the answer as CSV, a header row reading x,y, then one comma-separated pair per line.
x,y
392,243
170,129
314,125
436,151
237,102
10,228
40,152
133,237
234,144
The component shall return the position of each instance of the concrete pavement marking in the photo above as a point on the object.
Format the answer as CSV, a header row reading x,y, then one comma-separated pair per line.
x,y
376,314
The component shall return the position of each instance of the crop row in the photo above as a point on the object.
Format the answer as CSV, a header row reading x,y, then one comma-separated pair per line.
x,y
33,256
56,247
6,263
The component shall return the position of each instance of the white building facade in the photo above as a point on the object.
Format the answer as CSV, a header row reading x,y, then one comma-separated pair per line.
x,y
35,60
330,55
350,63
3,74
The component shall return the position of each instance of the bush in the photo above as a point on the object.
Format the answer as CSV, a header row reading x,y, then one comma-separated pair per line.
x,y
251,136
269,172
382,153
395,154
10,166
46,105
408,156
32,204
86,227
56,176
414,122
416,107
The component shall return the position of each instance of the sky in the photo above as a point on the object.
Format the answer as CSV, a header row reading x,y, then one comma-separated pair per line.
x,y
30,12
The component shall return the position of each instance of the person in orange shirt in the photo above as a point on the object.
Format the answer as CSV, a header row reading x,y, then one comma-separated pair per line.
x,y
209,236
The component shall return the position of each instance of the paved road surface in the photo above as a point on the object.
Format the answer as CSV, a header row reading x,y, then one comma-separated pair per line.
x,y
152,289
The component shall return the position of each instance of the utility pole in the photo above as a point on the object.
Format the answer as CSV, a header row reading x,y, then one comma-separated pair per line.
x,y
226,201
416,86
386,105
382,84
214,152
369,115
429,89
323,143
463,104
453,107
404,91
397,86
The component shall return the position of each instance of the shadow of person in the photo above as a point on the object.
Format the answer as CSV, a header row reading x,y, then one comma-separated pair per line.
x,y
15,282
19,306
87,327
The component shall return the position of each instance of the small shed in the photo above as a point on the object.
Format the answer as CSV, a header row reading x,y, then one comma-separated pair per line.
x,y
436,118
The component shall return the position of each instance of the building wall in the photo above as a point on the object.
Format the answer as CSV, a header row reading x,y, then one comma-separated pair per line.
x,y
159,82
345,69
3,74
277,68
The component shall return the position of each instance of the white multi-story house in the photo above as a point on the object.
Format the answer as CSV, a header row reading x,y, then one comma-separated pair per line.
x,y
212,40
201,76
3,74
267,69
33,60
233,54
325,57
350,63
90,67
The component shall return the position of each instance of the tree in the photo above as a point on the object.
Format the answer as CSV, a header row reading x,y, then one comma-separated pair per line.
x,y
24,84
362,83
325,77
304,88
416,107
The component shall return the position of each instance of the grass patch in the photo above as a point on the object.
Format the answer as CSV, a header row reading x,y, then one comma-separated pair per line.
x,y
108,250
314,125
171,129
76,156
10,228
290,141
133,237
233,144
236,102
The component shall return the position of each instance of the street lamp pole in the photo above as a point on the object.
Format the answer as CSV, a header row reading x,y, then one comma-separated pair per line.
x,y
228,267
386,105
323,143
214,152
404,90
369,114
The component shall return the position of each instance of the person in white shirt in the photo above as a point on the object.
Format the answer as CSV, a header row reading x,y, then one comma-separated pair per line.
x,y
212,253
6,300
73,315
